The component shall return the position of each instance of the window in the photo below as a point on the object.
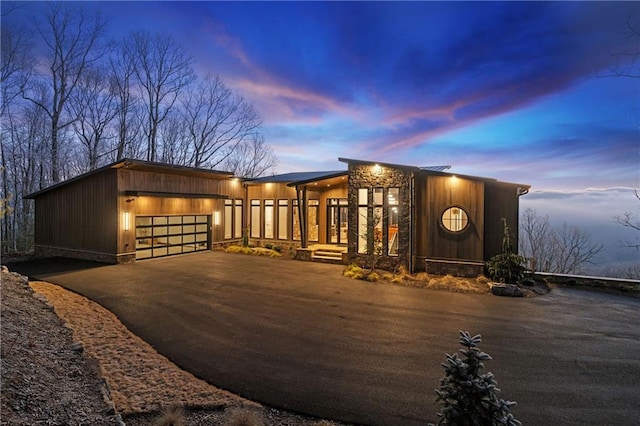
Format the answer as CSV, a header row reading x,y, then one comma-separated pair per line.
x,y
393,195
337,220
313,220
228,219
283,220
295,220
166,235
238,219
378,220
455,219
269,218
363,219
255,218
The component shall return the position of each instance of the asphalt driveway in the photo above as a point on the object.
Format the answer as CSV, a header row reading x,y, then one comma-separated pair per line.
x,y
299,336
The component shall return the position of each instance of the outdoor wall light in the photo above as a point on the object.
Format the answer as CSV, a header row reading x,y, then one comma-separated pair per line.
x,y
377,168
125,219
216,218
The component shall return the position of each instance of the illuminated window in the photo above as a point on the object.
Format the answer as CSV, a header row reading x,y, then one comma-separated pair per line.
x,y
228,219
312,220
455,219
237,232
255,218
295,220
283,209
363,220
268,218
393,195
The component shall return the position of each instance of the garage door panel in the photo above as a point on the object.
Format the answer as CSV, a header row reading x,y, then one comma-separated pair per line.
x,y
158,236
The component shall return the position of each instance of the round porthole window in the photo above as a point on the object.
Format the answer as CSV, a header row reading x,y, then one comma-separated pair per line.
x,y
455,219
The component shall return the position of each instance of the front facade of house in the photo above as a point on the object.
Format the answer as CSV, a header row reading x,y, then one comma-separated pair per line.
x,y
418,218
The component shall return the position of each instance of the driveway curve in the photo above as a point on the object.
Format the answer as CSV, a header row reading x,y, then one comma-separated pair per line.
x,y
299,336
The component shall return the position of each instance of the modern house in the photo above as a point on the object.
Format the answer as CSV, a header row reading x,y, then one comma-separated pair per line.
x,y
419,218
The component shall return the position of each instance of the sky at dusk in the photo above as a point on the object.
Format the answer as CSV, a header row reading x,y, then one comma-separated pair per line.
x,y
512,90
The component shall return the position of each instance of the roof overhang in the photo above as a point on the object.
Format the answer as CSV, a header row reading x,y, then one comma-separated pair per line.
x,y
172,194
437,171
148,166
325,181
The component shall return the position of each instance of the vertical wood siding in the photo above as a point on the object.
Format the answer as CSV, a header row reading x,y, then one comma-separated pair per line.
x,y
501,201
82,215
434,194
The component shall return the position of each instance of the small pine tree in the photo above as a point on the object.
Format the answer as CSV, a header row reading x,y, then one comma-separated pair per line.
x,y
468,398
506,267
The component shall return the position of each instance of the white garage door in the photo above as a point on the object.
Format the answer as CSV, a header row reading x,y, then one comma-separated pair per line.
x,y
158,236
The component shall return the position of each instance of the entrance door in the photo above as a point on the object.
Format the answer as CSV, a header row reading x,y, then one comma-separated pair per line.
x,y
337,224
158,236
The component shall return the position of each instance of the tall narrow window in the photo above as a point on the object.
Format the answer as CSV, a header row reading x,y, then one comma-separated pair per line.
x,y
269,218
237,231
283,219
312,221
363,220
393,197
295,221
378,221
255,218
228,219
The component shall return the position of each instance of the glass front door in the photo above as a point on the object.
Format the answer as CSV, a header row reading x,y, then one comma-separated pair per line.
x,y
337,224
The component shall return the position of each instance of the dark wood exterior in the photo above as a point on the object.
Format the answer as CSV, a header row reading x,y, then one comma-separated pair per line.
x,y
501,201
434,194
81,217
86,217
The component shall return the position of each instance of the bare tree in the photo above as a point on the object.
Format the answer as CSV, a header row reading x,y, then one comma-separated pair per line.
x,y
564,250
163,70
537,242
572,249
122,74
250,159
173,140
16,63
94,105
73,43
218,120
631,221
627,58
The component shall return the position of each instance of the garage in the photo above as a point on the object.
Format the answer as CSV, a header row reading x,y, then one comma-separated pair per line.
x,y
166,235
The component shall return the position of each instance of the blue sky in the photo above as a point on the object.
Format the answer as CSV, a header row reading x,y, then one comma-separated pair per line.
x,y
500,89
510,90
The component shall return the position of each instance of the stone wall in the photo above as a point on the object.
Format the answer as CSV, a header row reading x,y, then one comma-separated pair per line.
x,y
370,176
457,268
629,286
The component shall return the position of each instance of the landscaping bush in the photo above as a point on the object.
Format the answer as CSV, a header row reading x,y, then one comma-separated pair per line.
x,y
257,251
467,397
372,277
278,249
353,271
508,266
268,246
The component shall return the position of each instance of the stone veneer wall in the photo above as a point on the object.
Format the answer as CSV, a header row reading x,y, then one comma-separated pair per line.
x,y
365,176
458,268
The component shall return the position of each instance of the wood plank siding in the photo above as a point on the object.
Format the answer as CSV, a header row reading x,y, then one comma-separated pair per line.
x,y
214,191
82,215
501,201
434,194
